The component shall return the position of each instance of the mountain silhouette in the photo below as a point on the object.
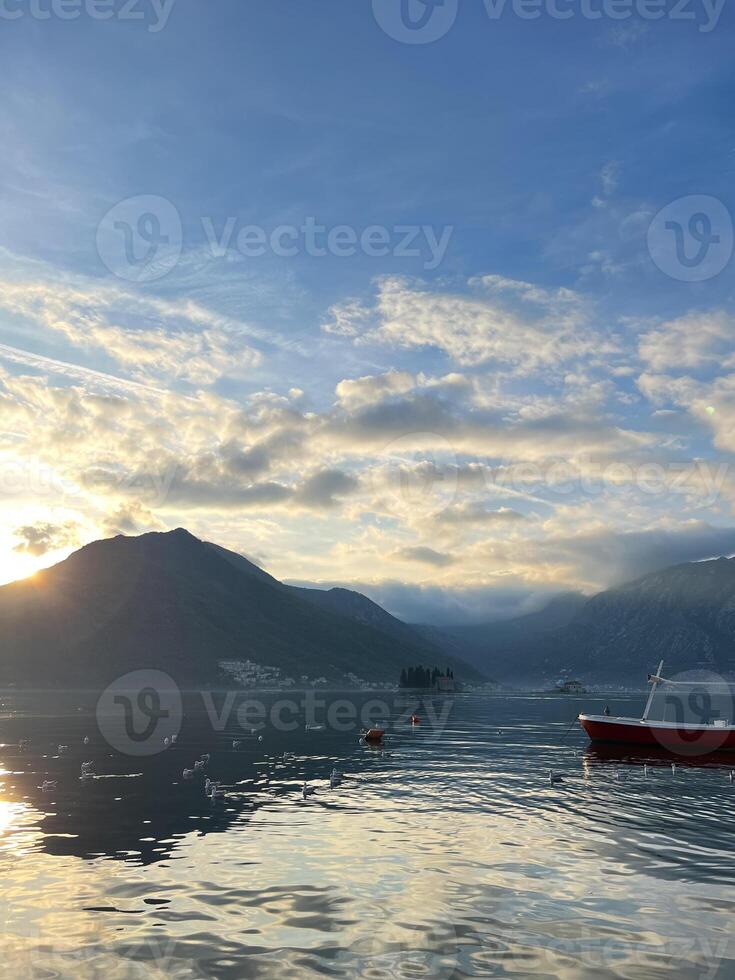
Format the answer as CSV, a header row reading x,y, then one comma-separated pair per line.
x,y
171,602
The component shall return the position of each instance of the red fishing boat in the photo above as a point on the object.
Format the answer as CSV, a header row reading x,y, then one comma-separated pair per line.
x,y
680,735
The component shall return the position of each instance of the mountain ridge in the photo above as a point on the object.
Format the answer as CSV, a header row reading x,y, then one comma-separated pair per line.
x,y
684,615
167,600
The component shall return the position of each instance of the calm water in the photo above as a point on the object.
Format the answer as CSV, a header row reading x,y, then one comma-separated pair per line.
x,y
449,855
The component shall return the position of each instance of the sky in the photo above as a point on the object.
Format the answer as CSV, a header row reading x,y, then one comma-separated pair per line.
x,y
430,301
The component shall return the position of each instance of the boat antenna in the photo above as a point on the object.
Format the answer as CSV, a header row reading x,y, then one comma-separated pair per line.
x,y
654,680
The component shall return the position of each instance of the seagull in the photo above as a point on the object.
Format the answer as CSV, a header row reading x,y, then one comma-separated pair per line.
x,y
199,764
214,790
174,739
23,744
85,740
87,767
307,790
673,768
187,773
236,744
48,784
645,772
167,740
555,777
732,775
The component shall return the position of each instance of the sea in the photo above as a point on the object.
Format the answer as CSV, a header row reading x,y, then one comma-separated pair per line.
x,y
486,838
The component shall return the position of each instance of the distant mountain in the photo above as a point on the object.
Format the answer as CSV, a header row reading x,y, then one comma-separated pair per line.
x,y
492,647
175,603
359,608
684,615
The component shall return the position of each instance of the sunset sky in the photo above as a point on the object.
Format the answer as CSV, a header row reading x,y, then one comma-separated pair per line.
x,y
527,404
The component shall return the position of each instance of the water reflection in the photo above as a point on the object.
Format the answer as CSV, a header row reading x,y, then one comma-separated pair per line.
x,y
436,857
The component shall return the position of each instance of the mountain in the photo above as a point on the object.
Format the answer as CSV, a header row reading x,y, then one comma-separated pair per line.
x,y
684,615
358,607
489,646
175,603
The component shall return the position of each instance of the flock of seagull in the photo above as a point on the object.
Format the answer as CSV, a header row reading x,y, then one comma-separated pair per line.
x,y
213,789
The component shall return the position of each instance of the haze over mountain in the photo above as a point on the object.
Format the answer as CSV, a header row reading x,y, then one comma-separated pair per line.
x,y
684,615
172,602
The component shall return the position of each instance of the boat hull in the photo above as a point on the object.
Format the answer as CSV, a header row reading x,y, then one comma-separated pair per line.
x,y
694,740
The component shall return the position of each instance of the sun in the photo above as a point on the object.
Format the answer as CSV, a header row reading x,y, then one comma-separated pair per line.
x,y
15,565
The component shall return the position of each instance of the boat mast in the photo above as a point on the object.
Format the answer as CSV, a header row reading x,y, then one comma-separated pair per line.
x,y
654,680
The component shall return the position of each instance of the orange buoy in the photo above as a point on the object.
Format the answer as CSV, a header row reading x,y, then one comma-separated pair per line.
x,y
373,734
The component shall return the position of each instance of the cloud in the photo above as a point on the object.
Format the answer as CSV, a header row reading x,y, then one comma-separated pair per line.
x,y
429,415
691,342
355,393
477,478
148,337
38,539
424,556
712,403
97,379
322,489
449,605
626,35
609,177
606,557
348,319
473,512
494,320
131,518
